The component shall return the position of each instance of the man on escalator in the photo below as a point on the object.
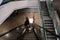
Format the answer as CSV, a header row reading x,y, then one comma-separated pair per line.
x,y
27,24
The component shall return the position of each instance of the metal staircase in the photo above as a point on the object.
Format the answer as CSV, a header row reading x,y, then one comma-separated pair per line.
x,y
49,26
47,21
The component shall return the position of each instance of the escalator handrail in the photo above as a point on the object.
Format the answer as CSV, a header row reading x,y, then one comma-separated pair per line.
x,y
10,30
21,35
49,31
37,34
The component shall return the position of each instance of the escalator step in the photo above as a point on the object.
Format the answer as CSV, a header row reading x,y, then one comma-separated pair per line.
x,y
47,33
46,18
48,25
30,36
45,14
48,36
50,29
53,38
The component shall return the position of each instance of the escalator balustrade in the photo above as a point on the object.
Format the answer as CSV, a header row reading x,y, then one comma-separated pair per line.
x,y
20,33
13,34
31,34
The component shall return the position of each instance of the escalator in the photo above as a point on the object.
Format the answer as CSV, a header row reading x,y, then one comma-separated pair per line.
x,y
19,33
48,22
29,35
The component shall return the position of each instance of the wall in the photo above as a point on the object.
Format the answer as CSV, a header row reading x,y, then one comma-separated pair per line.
x,y
18,18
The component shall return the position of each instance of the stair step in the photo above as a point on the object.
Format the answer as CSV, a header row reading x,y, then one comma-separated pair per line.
x,y
29,36
53,38
47,33
48,27
47,17
48,24
48,20
45,14
50,36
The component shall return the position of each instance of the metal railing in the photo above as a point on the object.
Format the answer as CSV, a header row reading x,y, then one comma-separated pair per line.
x,y
40,11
